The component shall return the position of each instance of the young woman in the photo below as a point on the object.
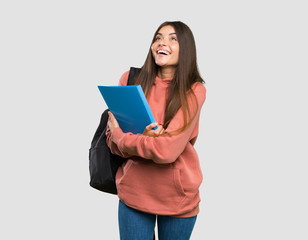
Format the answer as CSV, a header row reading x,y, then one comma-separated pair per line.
x,y
162,175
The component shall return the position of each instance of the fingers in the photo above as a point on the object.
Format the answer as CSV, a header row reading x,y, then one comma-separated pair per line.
x,y
111,116
112,122
149,131
160,130
151,126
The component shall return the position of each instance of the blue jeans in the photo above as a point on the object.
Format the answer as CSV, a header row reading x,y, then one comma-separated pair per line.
x,y
137,225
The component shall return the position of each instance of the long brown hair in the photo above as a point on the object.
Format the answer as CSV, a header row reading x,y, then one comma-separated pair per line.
x,y
185,76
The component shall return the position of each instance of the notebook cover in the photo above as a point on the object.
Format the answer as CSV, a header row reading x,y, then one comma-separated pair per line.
x,y
129,106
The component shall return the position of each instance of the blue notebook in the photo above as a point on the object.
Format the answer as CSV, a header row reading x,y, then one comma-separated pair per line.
x,y
129,106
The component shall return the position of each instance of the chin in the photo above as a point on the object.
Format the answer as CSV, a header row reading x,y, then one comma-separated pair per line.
x,y
162,64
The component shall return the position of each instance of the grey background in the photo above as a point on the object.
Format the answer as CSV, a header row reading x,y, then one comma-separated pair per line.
x,y
253,132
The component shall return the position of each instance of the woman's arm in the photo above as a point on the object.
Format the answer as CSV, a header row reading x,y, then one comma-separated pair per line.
x,y
113,147
163,149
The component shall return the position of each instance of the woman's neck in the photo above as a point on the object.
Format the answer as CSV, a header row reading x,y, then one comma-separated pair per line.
x,y
166,72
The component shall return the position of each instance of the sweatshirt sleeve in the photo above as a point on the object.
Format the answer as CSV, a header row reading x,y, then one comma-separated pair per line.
x,y
113,147
124,79
164,149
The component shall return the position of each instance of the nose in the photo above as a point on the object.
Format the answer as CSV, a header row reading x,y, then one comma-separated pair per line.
x,y
163,41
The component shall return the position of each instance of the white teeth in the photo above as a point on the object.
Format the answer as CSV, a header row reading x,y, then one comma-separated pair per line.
x,y
162,51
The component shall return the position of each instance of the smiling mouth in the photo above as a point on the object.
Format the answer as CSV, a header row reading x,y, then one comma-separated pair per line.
x,y
162,52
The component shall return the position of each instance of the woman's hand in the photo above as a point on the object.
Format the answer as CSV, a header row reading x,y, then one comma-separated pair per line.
x,y
112,122
148,131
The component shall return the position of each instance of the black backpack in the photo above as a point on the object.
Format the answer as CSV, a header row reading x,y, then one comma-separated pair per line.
x,y
103,165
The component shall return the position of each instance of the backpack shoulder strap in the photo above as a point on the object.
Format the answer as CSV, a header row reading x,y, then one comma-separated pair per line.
x,y
131,75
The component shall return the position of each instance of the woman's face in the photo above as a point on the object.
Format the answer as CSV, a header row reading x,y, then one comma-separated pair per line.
x,y
165,48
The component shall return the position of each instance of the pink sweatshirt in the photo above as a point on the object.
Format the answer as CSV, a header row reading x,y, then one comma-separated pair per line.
x,y
162,174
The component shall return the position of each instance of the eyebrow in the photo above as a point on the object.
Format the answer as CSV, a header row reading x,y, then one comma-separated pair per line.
x,y
168,34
